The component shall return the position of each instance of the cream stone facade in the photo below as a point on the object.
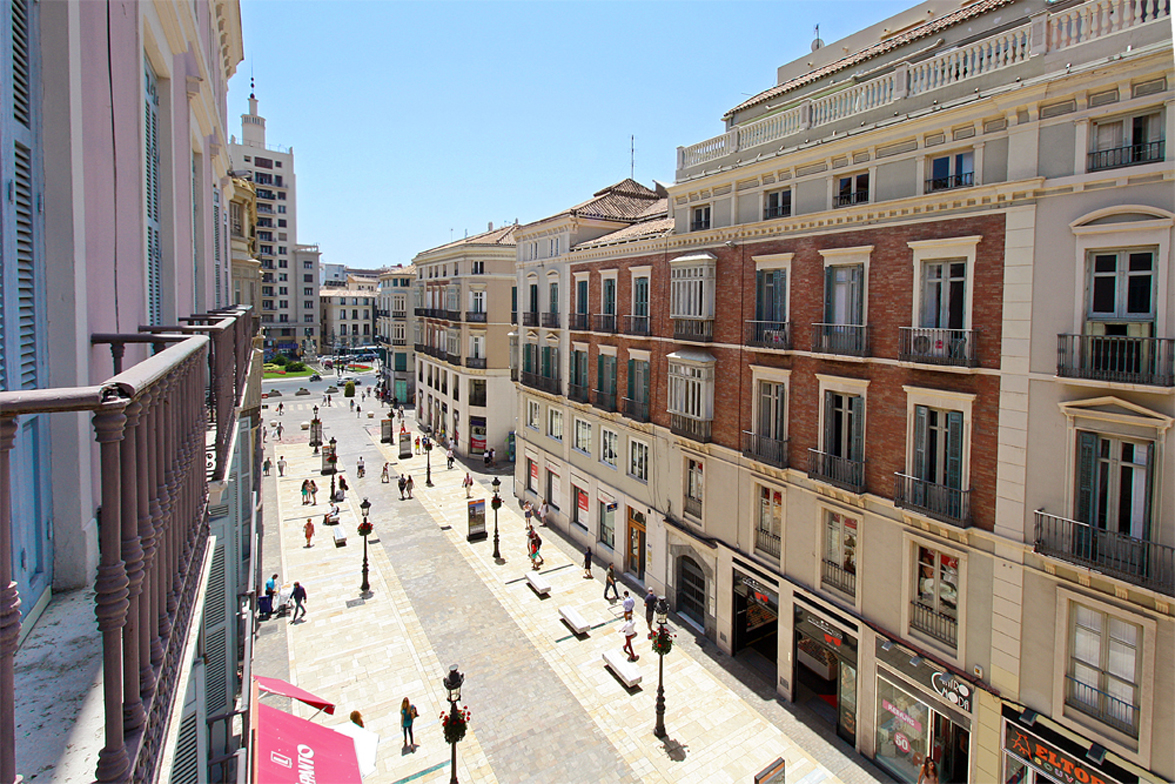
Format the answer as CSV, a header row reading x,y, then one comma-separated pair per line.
x,y
395,326
246,268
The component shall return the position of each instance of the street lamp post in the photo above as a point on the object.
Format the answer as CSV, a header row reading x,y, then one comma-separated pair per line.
x,y
662,634
364,530
315,431
496,503
427,461
452,683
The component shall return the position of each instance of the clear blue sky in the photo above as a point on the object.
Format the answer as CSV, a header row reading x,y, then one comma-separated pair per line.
x,y
414,122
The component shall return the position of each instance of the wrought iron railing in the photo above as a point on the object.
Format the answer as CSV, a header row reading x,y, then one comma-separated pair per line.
x,y
832,573
550,320
767,542
475,362
936,346
769,334
766,450
939,625
1127,155
699,225
776,212
696,330
578,392
1103,706
689,427
450,315
636,325
847,339
636,409
605,401
1117,358
453,359
514,317
1139,561
692,506
399,314
839,471
579,321
855,197
604,322
530,318
964,180
541,382
475,316
946,504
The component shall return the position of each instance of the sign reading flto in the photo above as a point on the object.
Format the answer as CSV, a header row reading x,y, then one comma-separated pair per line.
x,y
1051,760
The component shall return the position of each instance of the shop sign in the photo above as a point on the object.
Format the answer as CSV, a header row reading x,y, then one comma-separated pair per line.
x,y
818,628
953,690
581,500
534,470
902,716
1052,761
943,682
762,593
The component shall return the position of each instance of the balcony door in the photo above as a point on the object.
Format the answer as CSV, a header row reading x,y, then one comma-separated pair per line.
x,y
1114,484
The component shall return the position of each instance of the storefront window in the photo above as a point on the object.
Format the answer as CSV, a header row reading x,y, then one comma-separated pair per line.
x,y
607,522
903,730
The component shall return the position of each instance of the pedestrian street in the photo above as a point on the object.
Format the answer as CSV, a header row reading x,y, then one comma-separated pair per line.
x,y
544,707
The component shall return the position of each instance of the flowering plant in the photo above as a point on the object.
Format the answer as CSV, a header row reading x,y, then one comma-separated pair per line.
x,y
332,458
663,641
365,528
454,724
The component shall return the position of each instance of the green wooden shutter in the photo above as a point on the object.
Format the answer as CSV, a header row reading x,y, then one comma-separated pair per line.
x,y
600,372
857,291
829,294
760,295
1148,488
581,288
921,415
779,295
857,407
954,450
631,379
554,304
1086,474
830,423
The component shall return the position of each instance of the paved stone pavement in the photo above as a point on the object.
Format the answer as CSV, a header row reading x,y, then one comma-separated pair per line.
x,y
544,708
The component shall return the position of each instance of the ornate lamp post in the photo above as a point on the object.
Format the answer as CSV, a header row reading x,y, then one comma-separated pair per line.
x,y
455,723
364,529
315,431
496,503
662,645
427,461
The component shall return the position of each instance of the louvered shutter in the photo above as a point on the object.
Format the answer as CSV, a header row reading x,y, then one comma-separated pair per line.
x,y
779,299
631,379
26,253
830,295
216,653
151,197
600,372
1086,473
954,450
185,767
856,294
857,406
581,288
921,414
761,295
830,445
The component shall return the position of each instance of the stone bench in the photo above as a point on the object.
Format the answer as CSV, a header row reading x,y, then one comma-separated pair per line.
x,y
302,391
538,583
340,536
305,425
573,619
626,671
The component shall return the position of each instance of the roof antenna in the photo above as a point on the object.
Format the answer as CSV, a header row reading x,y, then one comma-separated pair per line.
x,y
816,42
632,157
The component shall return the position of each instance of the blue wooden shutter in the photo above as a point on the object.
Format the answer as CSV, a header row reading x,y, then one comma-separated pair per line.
x,y
921,414
1086,473
857,407
954,450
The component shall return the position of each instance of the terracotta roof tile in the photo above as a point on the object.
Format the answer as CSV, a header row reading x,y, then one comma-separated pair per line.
x,y
503,237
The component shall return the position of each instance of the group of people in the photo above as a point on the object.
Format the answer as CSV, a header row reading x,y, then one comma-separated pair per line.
x,y
309,493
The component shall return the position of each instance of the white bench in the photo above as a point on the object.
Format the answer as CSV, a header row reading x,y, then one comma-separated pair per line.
x,y
626,671
538,583
573,619
339,535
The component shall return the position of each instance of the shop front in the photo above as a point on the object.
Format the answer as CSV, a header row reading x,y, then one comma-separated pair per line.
x,y
477,435
922,709
635,553
826,669
755,625
1035,753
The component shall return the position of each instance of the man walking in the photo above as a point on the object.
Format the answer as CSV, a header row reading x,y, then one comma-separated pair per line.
x,y
629,632
467,483
610,582
449,457
403,483
587,563
281,466
629,603
299,597
650,609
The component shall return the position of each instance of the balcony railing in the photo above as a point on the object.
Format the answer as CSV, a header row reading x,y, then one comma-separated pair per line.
x,y
475,316
950,182
450,315
453,359
946,504
636,325
1103,706
578,392
770,213
636,409
1145,563
687,426
767,542
1129,155
692,506
399,314
855,197
514,317
551,320
604,322
691,329
579,321
420,348
699,225
399,341
475,362
769,334
832,573
935,346
530,318
938,625
839,471
1116,358
851,340
766,450
605,401
541,382
513,374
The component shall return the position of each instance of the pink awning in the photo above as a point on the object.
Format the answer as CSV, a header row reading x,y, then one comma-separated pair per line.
x,y
278,686
291,750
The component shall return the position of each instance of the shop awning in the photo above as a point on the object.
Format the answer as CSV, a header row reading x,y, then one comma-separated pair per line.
x,y
291,750
285,689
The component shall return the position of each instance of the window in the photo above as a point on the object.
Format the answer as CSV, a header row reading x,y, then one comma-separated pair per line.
x,y
638,460
691,390
282,223
477,268
579,375
307,265
694,482
771,296
308,305
532,414
951,171
477,392
840,552
609,446
844,293
581,296
852,189
607,522
936,591
938,447
769,525
477,301
579,507
777,204
583,436
553,297
844,418
307,292
477,346
691,294
606,374
1103,673
608,296
944,298
532,472
640,298
1120,288
1126,141
700,218
555,424
638,389
1114,480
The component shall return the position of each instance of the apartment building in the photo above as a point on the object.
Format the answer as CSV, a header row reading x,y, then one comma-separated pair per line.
x,y
129,416
395,323
348,317
900,390
289,288
246,267
462,298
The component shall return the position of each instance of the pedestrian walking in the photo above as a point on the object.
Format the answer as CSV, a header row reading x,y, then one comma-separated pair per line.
x,y
271,590
418,445
409,485
313,493
650,608
280,430
266,466
528,513
543,510
330,400
305,492
407,715
358,412
485,458
281,409
587,563
341,493
467,483
493,457
281,466
629,632
352,403
359,471
449,456
403,483
385,476
308,529
610,582
629,603
300,599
